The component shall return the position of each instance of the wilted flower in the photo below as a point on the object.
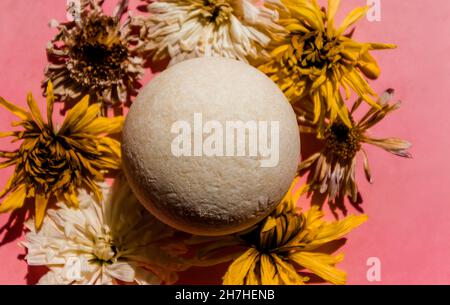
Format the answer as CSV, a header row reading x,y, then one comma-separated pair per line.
x,y
95,54
56,162
332,171
181,29
315,59
283,246
104,243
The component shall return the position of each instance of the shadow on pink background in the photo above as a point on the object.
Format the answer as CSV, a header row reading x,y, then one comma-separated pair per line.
x,y
409,203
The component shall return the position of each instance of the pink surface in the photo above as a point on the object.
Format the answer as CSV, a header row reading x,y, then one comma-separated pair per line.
x,y
408,206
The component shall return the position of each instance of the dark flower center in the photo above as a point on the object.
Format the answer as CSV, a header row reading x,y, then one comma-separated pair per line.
x,y
316,50
46,163
104,250
343,142
217,11
288,227
98,58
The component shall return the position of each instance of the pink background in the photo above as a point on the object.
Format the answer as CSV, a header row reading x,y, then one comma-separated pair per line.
x,y
408,206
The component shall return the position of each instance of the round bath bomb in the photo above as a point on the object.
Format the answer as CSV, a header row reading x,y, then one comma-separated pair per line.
x,y
210,146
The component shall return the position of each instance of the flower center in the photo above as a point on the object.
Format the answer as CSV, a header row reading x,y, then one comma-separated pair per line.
x,y
46,164
104,249
343,142
315,49
217,11
98,56
288,227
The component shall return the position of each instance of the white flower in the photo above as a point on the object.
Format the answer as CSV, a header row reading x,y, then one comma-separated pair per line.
x,y
108,243
182,29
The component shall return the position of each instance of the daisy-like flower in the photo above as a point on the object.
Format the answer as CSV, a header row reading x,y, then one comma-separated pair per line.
x,y
95,54
315,59
332,171
181,29
113,242
284,246
56,162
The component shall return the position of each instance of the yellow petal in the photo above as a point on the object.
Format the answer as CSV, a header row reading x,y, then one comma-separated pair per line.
x,y
353,17
72,198
361,87
269,224
268,271
75,114
308,13
298,192
16,110
333,6
240,267
111,145
296,27
369,66
281,49
319,81
88,117
321,265
7,134
40,207
15,200
342,110
105,125
50,102
314,214
252,278
35,112
338,229
287,272
317,107
8,185
381,46
290,200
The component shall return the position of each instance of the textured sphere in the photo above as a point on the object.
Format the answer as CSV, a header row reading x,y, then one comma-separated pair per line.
x,y
195,188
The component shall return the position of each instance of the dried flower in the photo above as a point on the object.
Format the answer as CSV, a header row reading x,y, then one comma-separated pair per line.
x,y
55,162
283,246
332,170
181,29
314,60
95,55
104,243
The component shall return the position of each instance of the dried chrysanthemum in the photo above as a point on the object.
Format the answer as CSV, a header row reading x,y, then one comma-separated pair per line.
x,y
181,29
111,242
315,59
332,170
96,55
283,247
55,162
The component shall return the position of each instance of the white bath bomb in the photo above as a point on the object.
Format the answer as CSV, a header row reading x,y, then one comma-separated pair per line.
x,y
181,159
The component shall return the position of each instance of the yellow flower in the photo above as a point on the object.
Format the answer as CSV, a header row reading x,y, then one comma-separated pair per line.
x,y
55,162
332,170
315,59
283,245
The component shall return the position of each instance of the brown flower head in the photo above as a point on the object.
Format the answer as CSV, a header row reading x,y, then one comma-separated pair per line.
x,y
332,170
95,55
